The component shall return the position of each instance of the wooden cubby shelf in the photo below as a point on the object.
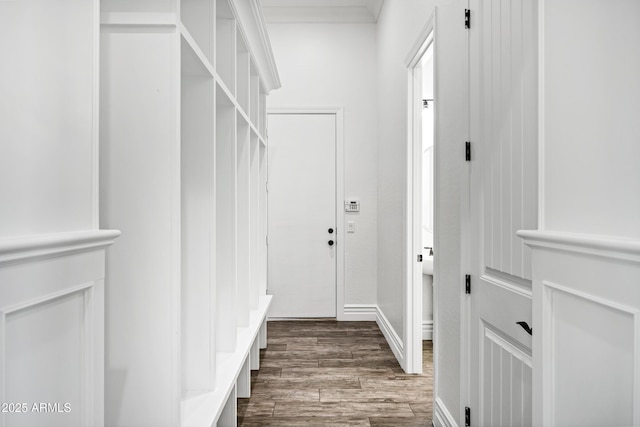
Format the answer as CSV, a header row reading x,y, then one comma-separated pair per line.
x,y
186,124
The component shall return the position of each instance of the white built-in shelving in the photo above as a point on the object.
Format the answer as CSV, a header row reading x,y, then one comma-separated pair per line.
x,y
183,175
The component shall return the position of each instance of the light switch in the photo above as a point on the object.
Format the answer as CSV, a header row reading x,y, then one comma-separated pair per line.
x,y
351,227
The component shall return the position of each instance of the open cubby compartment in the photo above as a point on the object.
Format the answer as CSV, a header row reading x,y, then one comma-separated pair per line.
x,y
243,72
243,221
255,225
198,17
229,414
197,224
225,63
254,354
262,244
225,211
243,382
255,96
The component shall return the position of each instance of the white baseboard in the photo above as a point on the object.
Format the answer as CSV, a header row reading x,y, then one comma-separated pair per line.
x,y
360,312
441,415
427,330
393,339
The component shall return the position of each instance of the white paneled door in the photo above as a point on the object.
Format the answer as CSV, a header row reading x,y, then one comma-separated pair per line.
x,y
302,215
503,200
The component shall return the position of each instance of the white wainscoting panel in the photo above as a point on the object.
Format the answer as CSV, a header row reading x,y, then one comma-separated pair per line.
x,y
586,305
52,329
46,341
585,332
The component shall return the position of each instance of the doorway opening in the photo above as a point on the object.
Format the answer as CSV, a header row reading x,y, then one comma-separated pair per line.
x,y
421,198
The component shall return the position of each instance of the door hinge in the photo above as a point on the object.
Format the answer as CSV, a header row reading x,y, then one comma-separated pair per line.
x,y
467,284
467,416
266,240
420,258
467,19
467,151
266,186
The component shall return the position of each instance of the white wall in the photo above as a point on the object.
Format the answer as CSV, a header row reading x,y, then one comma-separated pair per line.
x,y
47,107
323,64
591,127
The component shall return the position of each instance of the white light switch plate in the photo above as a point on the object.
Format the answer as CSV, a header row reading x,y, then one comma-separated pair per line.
x,y
351,227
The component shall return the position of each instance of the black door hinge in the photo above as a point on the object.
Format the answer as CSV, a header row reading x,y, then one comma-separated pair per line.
x,y
467,284
467,416
467,19
420,258
467,151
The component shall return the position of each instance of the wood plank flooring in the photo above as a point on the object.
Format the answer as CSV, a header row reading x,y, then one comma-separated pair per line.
x,y
329,373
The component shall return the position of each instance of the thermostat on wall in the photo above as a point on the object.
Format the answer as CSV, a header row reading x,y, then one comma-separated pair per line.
x,y
352,206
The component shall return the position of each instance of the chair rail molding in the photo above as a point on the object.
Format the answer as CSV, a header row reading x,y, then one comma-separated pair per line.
x,y
602,246
36,247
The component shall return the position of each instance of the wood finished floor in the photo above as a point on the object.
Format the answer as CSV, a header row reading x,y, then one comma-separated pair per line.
x,y
328,373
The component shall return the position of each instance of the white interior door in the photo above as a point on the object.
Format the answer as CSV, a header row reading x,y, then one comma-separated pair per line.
x,y
302,215
503,198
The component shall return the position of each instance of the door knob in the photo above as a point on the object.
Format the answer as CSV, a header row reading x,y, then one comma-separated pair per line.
x,y
330,242
331,231
526,327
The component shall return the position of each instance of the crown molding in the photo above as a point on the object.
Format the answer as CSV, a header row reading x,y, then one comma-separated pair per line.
x,y
255,33
322,11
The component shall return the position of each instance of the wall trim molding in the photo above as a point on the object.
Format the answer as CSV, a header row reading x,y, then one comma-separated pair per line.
x,y
441,415
42,246
392,337
601,246
317,12
254,29
427,330
360,312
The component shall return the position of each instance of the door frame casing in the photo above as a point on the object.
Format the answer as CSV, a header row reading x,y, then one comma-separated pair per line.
x,y
412,340
338,111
